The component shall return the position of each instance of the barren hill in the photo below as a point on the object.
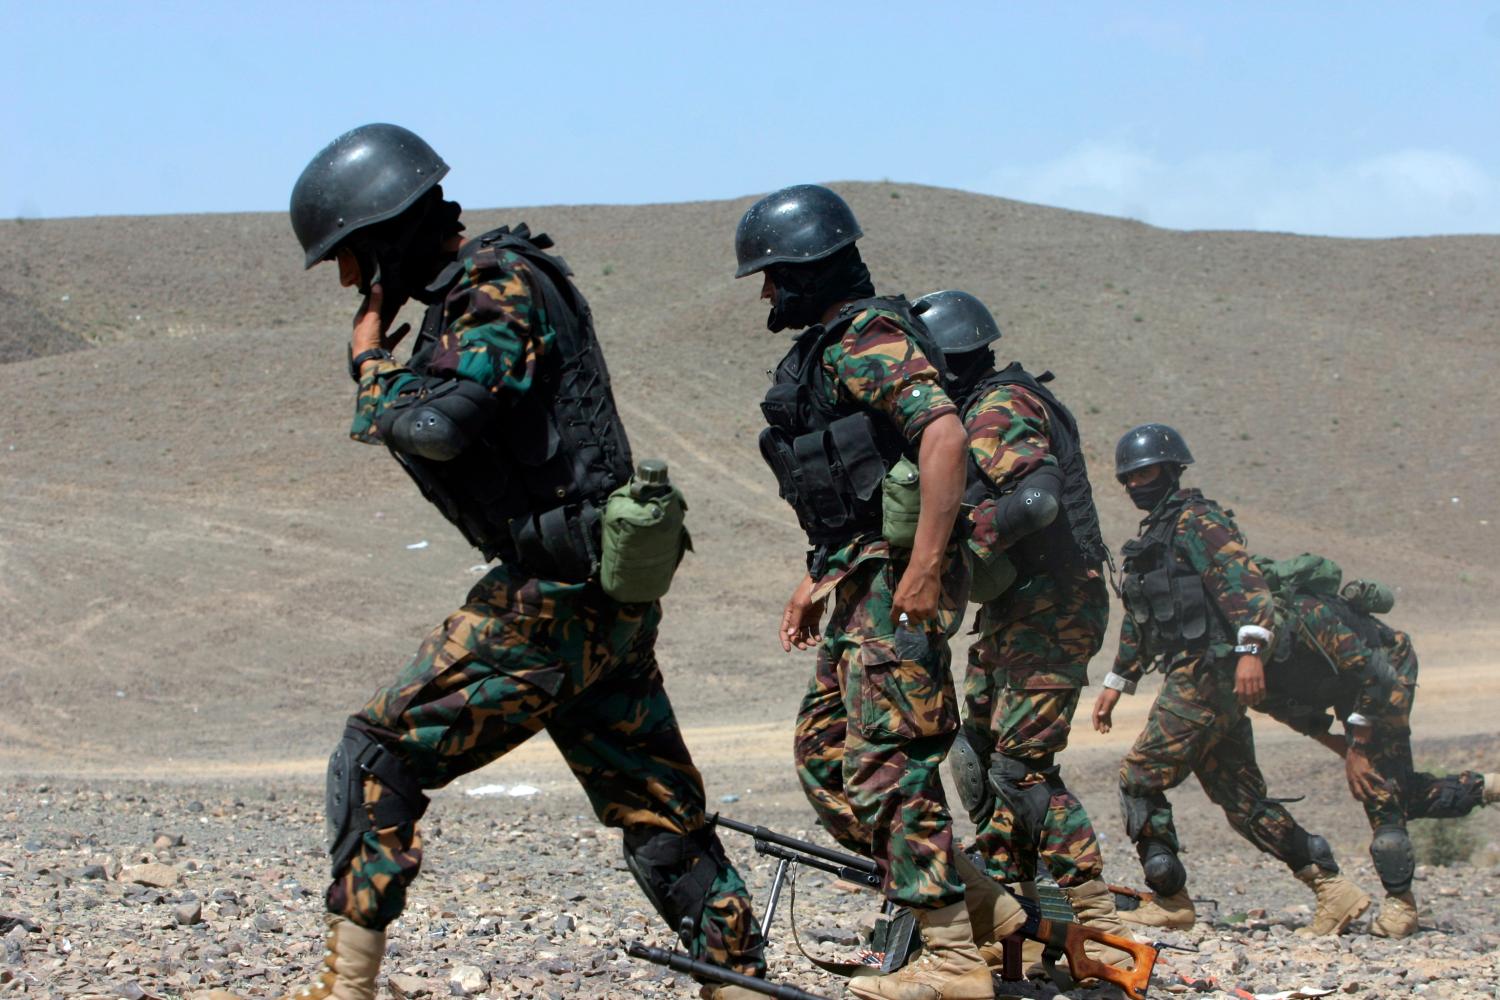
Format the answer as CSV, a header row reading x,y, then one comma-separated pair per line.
x,y
196,565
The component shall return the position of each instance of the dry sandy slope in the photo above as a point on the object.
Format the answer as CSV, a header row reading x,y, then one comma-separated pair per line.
x,y
197,568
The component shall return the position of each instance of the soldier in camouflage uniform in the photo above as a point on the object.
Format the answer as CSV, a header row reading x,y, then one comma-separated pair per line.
x,y
860,388
483,419
1333,654
1197,607
1029,498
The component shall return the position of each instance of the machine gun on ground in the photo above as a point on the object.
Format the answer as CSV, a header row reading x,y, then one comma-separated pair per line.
x,y
896,932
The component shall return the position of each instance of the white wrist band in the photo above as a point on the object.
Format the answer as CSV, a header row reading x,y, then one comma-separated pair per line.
x,y
1255,632
1115,682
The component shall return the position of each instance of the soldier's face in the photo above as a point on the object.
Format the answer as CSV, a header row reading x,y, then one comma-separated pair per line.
x,y
767,287
349,273
1141,477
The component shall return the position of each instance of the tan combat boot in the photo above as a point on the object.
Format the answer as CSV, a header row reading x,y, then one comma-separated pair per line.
x,y
1339,901
351,961
1491,789
1174,912
994,913
1094,906
1398,916
949,967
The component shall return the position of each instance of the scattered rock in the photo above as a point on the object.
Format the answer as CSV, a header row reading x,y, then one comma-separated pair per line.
x,y
188,914
155,874
468,980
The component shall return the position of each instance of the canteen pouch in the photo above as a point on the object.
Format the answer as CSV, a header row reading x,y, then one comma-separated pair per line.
x,y
643,541
901,504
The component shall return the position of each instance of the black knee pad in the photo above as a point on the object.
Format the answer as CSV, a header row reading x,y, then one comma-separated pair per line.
x,y
969,763
1137,809
676,872
1027,805
346,819
1311,849
1395,861
1162,868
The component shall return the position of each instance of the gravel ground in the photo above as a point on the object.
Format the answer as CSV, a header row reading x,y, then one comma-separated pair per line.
x,y
113,889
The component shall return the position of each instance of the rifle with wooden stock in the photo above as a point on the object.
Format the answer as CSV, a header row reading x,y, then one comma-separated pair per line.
x,y
896,933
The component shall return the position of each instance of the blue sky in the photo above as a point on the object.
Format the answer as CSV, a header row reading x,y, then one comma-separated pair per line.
x,y
1358,119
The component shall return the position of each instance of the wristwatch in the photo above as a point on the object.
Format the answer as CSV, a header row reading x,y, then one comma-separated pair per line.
x,y
357,361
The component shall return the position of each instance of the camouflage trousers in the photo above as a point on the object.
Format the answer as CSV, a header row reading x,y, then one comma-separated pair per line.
x,y
519,657
871,736
1404,792
1021,689
1197,726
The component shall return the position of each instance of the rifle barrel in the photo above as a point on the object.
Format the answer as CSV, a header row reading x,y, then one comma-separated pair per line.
x,y
678,962
772,837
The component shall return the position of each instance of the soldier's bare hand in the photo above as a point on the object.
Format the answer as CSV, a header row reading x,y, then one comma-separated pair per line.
x,y
1364,783
916,596
1104,710
1250,680
801,618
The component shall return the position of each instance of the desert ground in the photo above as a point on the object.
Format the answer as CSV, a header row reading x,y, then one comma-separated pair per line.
x,y
201,576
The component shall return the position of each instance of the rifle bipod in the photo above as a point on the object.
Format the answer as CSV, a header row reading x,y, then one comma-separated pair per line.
x,y
895,939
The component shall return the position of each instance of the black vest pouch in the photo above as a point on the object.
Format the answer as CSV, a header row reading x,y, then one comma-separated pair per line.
x,y
816,478
1156,587
559,544
859,454
1135,599
781,408
1192,603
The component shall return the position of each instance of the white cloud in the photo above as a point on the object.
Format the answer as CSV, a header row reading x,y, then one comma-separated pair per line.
x,y
1404,192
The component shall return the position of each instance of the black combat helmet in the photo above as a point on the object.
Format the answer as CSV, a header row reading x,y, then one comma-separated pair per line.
x,y
1150,444
367,175
796,225
959,323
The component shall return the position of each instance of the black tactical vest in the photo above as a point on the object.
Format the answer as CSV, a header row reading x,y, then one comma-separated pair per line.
x,y
830,455
1074,539
531,490
1163,592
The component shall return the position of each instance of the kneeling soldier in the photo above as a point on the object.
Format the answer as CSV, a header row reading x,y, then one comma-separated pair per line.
x,y
1197,607
1333,653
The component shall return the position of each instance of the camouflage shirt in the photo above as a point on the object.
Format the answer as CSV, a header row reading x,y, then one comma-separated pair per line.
x,y
1207,537
1358,662
494,332
877,365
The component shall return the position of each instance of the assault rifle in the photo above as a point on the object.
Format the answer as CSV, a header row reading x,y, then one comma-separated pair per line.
x,y
896,932
678,962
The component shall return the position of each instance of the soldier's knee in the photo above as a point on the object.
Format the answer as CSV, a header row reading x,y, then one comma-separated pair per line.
x,y
1162,868
349,814
1395,861
676,871
1136,806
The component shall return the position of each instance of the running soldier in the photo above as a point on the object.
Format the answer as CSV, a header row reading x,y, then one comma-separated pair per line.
x,y
504,418
1333,654
1029,498
861,389
1199,609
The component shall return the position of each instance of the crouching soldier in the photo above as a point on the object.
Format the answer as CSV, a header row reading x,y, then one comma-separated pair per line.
x,y
504,418
1334,656
1199,609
